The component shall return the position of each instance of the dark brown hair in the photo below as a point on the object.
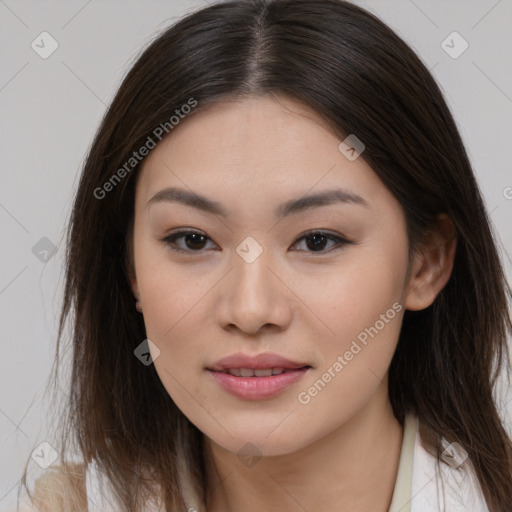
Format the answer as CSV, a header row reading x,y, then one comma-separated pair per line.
x,y
362,79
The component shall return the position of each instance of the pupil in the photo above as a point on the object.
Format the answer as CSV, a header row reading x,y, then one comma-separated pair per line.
x,y
318,243
194,240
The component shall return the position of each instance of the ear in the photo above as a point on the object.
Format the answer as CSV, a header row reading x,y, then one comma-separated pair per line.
x,y
432,265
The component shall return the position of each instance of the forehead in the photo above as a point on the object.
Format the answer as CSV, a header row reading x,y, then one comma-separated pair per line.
x,y
268,147
253,129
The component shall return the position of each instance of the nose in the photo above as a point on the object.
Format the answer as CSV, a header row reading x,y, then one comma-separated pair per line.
x,y
254,295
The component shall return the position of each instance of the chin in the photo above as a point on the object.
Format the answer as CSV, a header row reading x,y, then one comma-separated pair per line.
x,y
265,440
246,446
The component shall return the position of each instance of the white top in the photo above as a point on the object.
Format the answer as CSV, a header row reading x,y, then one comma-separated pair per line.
x,y
420,486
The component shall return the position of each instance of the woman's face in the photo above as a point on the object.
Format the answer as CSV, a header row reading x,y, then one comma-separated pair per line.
x,y
253,281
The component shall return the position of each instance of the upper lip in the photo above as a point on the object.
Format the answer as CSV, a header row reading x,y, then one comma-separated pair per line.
x,y
259,362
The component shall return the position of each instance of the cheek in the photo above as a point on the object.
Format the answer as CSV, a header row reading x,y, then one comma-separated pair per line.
x,y
361,304
169,291
170,300
172,304
355,295
174,318
366,319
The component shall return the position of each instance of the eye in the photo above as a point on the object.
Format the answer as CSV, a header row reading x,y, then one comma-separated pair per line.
x,y
194,241
316,240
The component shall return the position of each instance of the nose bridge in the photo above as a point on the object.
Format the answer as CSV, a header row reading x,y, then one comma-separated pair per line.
x,y
251,263
253,295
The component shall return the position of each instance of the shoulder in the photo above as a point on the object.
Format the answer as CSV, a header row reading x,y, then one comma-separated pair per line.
x,y
452,486
60,489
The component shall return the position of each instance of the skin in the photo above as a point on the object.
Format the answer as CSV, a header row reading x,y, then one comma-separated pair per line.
x,y
251,155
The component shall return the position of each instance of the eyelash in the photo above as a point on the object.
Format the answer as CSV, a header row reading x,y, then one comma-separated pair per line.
x,y
170,239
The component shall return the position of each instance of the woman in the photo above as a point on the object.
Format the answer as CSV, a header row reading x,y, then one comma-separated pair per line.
x,y
283,286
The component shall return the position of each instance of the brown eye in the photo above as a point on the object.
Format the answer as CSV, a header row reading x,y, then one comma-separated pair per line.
x,y
316,241
193,241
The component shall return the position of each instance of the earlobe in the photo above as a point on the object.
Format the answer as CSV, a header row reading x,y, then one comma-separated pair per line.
x,y
134,286
135,290
432,265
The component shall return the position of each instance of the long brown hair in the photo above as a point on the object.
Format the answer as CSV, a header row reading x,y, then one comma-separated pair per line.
x,y
362,79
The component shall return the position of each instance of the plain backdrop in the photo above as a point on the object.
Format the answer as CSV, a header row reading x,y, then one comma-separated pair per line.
x,y
52,106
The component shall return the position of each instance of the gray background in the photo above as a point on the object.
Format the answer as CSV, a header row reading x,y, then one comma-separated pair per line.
x,y
52,107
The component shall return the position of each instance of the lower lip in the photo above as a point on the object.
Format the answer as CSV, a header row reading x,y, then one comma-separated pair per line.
x,y
258,388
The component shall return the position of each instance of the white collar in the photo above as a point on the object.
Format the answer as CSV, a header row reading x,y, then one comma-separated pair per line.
x,y
422,486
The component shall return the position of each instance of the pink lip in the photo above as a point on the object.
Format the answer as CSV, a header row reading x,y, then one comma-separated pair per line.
x,y
257,388
258,362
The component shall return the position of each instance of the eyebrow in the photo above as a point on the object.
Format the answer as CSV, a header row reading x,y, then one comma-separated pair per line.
x,y
325,198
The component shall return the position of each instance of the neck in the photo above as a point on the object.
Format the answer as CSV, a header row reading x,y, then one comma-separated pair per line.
x,y
353,468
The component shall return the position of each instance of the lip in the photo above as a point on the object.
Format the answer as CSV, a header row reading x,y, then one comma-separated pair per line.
x,y
257,388
258,362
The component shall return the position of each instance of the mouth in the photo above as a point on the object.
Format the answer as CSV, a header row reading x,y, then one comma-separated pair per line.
x,y
258,365
257,378
260,372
